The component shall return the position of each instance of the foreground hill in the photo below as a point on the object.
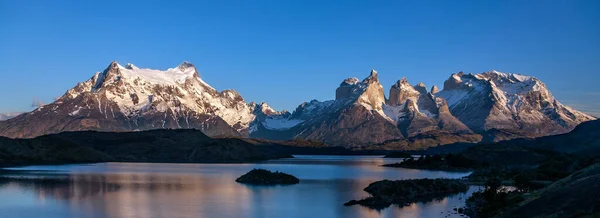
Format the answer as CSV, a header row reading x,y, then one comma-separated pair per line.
x,y
174,146
573,196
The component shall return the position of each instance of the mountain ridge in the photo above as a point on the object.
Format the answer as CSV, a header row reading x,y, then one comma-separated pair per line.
x,y
494,105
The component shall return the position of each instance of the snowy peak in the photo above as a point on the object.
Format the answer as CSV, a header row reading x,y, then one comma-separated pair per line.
x,y
372,96
497,100
177,91
351,88
372,78
264,108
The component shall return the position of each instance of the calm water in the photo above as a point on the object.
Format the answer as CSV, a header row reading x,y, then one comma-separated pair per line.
x,y
208,190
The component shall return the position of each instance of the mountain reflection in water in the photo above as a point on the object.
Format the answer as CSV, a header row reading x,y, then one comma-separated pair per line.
x,y
210,190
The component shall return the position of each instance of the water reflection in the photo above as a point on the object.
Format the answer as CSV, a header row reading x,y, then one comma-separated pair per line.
x,y
199,190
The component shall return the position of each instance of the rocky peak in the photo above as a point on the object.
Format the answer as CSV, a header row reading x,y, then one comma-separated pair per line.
x,y
350,81
372,78
421,88
434,90
454,81
185,65
111,73
402,91
266,109
372,96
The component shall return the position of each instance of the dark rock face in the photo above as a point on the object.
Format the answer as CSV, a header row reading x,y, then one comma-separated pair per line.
x,y
265,177
346,88
385,193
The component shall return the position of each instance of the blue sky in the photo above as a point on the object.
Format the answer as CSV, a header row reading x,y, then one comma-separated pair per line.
x,y
285,52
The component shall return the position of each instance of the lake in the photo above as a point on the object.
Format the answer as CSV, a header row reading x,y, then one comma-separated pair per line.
x,y
141,190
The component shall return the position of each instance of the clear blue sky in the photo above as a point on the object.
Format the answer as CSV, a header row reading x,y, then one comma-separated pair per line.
x,y
285,52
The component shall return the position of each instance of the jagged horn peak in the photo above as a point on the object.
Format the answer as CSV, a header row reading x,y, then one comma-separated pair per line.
x,y
372,77
434,90
373,73
401,82
421,84
113,65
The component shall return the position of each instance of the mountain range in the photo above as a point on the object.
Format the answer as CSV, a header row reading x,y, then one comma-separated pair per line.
x,y
490,106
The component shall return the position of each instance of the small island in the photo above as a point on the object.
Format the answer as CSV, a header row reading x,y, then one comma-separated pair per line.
x,y
385,193
265,177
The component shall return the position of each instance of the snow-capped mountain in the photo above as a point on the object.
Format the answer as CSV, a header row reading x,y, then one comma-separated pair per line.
x,y
511,104
360,115
470,108
128,98
491,105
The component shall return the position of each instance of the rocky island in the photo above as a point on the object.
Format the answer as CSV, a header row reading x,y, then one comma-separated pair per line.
x,y
385,193
265,177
